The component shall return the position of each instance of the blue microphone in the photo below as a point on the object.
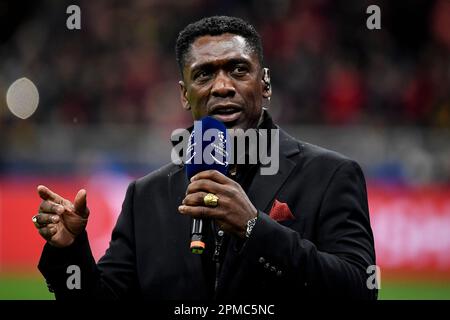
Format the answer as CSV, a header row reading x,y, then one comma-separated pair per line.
x,y
207,150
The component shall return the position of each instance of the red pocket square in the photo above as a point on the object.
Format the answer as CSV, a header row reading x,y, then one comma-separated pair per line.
x,y
280,212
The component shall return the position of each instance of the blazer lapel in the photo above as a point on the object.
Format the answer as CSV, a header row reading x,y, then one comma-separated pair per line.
x,y
178,184
264,188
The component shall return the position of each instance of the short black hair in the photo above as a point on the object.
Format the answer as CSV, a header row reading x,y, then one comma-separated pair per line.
x,y
214,26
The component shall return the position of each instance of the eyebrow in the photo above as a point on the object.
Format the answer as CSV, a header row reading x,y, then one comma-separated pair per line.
x,y
209,64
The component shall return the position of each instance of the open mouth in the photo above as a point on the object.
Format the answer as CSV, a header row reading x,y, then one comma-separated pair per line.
x,y
226,114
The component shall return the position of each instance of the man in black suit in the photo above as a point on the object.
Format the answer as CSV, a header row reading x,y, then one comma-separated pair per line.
x,y
302,232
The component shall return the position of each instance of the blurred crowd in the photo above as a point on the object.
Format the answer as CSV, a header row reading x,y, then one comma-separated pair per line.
x,y
327,67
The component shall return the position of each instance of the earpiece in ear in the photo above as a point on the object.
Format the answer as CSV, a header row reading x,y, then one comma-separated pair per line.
x,y
266,78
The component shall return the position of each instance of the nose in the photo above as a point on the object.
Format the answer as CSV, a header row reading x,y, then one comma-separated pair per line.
x,y
223,86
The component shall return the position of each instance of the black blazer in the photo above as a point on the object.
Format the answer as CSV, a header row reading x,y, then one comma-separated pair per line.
x,y
324,252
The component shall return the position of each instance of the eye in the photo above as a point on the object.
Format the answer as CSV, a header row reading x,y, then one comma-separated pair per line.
x,y
202,75
240,70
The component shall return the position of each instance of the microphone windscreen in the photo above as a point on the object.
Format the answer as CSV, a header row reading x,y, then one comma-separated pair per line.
x,y
207,148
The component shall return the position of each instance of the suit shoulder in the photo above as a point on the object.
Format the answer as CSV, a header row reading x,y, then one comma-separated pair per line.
x,y
327,160
311,151
314,156
308,151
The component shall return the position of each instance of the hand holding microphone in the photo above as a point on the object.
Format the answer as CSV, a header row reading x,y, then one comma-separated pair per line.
x,y
211,194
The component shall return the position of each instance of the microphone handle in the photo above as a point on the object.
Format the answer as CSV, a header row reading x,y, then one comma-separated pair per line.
x,y
197,243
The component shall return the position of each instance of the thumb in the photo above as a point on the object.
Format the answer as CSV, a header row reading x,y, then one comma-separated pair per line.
x,y
80,203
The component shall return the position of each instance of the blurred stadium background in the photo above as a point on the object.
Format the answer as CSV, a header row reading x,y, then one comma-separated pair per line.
x,y
109,101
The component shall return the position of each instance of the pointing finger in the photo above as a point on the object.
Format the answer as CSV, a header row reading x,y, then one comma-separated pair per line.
x,y
46,194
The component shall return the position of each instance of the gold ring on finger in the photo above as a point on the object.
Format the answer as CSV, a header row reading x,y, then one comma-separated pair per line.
x,y
211,200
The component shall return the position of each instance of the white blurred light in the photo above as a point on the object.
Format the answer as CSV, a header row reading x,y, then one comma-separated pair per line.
x,y
22,98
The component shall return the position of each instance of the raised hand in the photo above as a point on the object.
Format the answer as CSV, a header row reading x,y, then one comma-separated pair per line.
x,y
60,221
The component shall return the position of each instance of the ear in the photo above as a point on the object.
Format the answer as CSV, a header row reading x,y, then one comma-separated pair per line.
x,y
266,85
183,96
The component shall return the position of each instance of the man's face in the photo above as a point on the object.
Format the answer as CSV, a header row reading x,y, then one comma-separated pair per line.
x,y
222,78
